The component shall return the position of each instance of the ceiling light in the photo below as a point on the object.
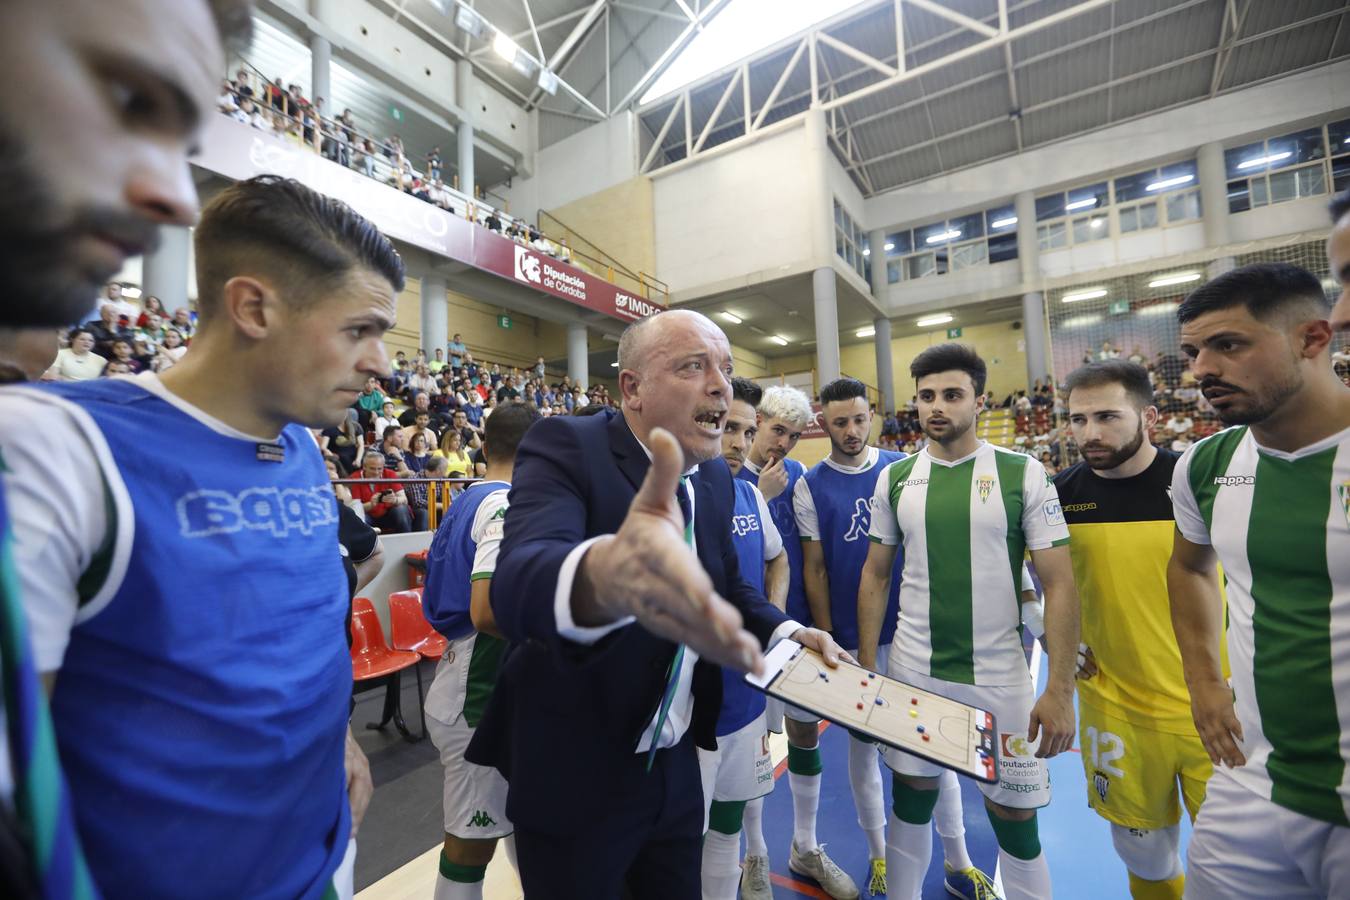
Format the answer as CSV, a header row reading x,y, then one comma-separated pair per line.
x,y
940,319
1170,183
869,331
731,317
132,292
867,251
468,21
1003,223
1090,294
780,341
1262,160
614,365
1156,309
1080,204
1079,321
945,236
1096,223
504,47
1169,280
890,246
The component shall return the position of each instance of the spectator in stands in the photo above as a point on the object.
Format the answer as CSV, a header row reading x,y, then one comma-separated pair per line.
x,y
341,491
171,351
383,499
371,400
392,446
113,297
1108,351
508,391
182,321
434,163
470,434
345,441
386,418
1183,440
421,425
243,86
421,404
417,460
458,464
459,354
422,381
228,101
437,363
106,330
78,362
121,353
492,223
244,111
1180,423
364,158
152,311
539,369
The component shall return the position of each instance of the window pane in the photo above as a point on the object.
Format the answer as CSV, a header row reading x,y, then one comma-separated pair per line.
x,y
1234,158
1092,196
966,255
1259,192
1180,170
1049,206
848,253
1183,206
920,266
1148,216
892,272
971,226
838,214
839,243
1003,247
1239,199
1053,235
900,243
1133,187
1339,135
1006,215
1302,146
1340,173
1129,219
1312,181
1090,228
923,233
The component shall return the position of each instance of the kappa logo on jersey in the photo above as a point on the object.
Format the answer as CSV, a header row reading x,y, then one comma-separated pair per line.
x,y
481,819
862,519
1102,782
527,266
985,484
204,513
743,525
1234,480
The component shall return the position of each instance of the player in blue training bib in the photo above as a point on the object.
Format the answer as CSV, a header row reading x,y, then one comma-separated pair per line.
x,y
177,550
739,773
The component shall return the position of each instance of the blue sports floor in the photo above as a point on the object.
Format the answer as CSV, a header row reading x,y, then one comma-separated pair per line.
x,y
1075,840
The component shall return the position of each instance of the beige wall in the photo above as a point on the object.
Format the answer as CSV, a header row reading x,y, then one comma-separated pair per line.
x,y
617,220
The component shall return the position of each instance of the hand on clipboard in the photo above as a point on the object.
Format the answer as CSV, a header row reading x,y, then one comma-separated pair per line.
x,y
943,731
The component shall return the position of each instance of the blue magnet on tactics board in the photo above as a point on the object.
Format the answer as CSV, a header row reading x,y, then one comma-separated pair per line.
x,y
920,729
878,701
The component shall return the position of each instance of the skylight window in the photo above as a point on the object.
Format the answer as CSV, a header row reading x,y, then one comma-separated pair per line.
x,y
740,30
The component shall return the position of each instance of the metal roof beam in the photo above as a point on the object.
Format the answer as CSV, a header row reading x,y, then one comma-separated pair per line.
x,y
952,15
666,58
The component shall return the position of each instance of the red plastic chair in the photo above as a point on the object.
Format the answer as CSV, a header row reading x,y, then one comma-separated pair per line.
x,y
409,628
372,659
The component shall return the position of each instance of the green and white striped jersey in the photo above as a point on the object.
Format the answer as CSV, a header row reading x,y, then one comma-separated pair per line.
x,y
1280,525
965,526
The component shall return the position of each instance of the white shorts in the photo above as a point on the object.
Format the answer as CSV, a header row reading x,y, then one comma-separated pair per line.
x,y
474,796
740,768
774,711
797,714
1245,847
1024,780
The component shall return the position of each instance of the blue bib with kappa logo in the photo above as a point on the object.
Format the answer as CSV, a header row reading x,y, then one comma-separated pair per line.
x,y
740,702
780,508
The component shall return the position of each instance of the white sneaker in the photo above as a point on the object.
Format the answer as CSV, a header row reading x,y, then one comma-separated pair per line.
x,y
755,879
832,879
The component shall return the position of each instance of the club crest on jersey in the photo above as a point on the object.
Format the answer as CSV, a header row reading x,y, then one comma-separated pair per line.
x,y
985,484
1102,783
1344,490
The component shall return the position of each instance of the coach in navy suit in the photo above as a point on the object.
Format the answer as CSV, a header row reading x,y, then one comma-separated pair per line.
x,y
618,625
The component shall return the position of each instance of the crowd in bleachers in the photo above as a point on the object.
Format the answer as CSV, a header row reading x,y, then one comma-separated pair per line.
x,y
286,113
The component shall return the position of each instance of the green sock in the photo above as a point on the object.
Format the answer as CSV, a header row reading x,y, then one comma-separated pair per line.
x,y
461,874
911,804
725,816
804,762
1019,839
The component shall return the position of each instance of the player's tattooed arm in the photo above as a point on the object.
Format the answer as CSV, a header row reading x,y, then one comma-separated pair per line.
x,y
1197,620
873,588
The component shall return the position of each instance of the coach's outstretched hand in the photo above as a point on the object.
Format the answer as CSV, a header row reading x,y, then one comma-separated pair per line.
x,y
646,570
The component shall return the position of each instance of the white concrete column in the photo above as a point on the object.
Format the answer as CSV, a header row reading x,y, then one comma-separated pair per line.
x,y
321,59
1033,302
827,324
1213,194
464,81
885,365
578,355
164,270
876,242
435,315
814,180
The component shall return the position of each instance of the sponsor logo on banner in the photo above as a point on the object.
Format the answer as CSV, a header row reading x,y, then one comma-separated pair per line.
x,y
634,307
527,266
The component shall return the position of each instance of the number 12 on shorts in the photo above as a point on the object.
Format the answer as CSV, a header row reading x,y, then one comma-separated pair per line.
x,y
1104,748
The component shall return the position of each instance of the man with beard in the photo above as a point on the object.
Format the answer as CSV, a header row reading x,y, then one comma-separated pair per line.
x,y
966,512
1141,753
834,507
1269,499
93,157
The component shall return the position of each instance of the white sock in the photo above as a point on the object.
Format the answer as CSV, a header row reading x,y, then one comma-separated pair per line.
x,y
721,865
909,849
805,803
864,777
951,826
752,826
1025,879
457,890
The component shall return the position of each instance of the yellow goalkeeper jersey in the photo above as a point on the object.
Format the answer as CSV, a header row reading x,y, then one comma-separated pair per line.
x,y
1121,539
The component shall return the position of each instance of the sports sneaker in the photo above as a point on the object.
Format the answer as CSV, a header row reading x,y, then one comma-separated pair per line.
x,y
970,884
755,879
832,879
876,884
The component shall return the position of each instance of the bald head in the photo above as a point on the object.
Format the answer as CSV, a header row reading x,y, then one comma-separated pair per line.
x,y
641,338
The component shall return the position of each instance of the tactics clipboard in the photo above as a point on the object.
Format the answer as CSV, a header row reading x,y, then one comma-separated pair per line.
x,y
945,732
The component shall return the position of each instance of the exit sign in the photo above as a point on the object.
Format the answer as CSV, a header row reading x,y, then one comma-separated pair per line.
x,y
1120,307
503,321
953,332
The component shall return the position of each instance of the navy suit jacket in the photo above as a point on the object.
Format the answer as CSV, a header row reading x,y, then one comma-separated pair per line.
x,y
565,719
